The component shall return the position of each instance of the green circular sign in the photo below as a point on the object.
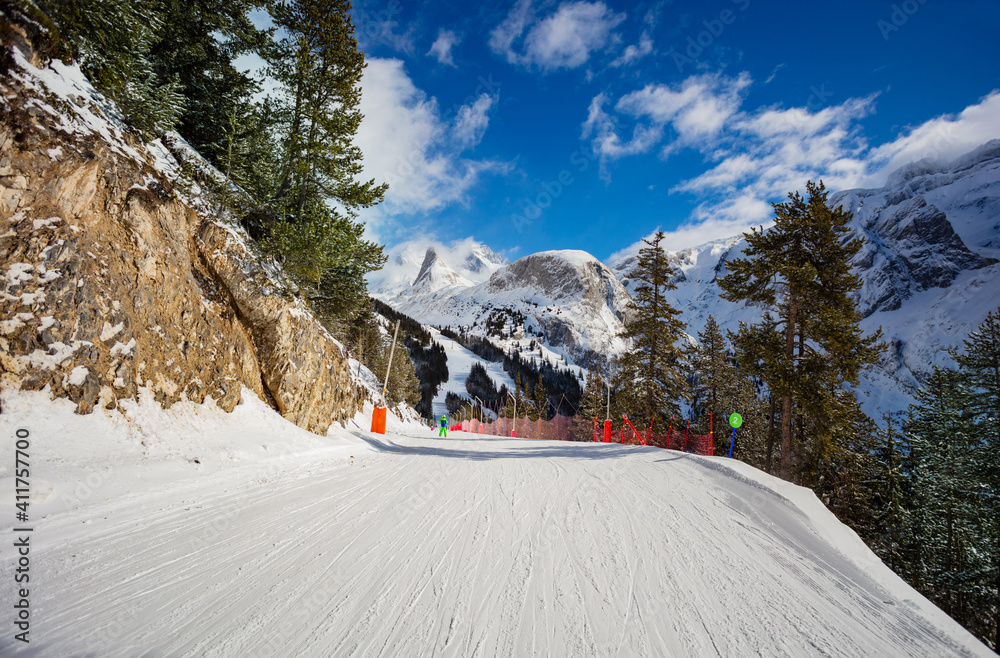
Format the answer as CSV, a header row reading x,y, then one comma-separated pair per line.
x,y
735,420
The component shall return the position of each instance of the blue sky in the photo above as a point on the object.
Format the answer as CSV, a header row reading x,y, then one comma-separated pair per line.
x,y
587,125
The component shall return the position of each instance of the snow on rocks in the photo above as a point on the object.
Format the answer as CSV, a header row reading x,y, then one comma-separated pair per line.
x,y
102,239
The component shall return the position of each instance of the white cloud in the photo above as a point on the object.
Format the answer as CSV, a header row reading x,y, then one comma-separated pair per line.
x,y
774,73
941,139
407,144
472,121
634,53
503,36
564,39
606,142
764,154
761,154
441,48
696,110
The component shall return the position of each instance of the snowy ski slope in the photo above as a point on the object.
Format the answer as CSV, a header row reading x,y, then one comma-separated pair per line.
x,y
460,362
281,543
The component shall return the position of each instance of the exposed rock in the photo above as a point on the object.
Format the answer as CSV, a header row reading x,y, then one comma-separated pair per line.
x,y
435,274
581,301
110,280
908,244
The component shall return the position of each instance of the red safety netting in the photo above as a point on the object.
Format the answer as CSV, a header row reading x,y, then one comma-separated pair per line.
x,y
699,444
560,428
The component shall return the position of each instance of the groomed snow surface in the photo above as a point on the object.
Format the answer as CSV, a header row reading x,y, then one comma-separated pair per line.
x,y
276,542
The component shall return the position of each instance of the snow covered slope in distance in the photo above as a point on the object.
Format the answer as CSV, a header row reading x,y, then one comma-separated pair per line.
x,y
570,301
277,542
460,362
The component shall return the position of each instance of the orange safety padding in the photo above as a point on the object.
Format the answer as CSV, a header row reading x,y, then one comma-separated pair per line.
x,y
378,420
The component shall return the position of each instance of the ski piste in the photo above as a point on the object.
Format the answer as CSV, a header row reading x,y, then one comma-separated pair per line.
x,y
282,543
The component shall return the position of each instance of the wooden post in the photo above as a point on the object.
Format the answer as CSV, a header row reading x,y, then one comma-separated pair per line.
x,y
389,367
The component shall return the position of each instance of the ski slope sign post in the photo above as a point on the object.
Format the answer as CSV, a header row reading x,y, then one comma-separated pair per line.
x,y
378,415
735,421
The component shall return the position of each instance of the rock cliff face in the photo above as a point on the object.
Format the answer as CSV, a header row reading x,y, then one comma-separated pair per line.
x,y
584,304
111,279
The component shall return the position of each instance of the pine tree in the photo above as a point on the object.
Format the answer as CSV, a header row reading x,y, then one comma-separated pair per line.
x,y
198,44
519,398
885,536
247,155
592,406
942,435
317,197
799,270
649,377
840,471
404,387
979,370
115,39
541,399
714,377
740,395
531,408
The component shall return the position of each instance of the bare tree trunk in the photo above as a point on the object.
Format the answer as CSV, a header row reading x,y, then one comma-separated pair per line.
x,y
786,400
801,443
769,464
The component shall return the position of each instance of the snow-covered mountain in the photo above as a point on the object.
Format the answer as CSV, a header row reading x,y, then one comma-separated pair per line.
x,y
570,302
928,265
421,267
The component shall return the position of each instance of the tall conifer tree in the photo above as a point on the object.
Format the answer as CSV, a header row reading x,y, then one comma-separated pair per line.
x,y
198,44
714,374
979,368
799,270
650,378
942,437
593,405
317,196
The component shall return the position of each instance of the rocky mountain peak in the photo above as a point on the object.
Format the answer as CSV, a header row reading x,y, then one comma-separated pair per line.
x,y
435,274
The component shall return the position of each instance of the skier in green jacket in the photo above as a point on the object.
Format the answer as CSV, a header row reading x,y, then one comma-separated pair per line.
x,y
444,427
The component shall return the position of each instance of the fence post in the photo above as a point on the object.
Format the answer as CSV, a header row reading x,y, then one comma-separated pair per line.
x,y
686,434
711,436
